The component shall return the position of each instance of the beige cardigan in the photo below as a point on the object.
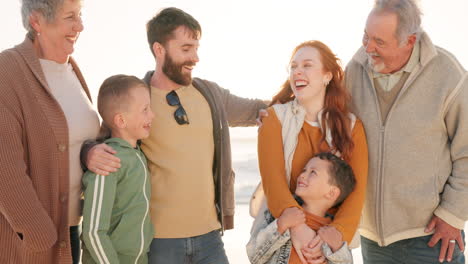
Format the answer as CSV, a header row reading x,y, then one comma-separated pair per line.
x,y
34,172
418,157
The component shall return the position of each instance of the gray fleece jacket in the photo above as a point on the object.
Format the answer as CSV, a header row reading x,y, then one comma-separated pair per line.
x,y
418,156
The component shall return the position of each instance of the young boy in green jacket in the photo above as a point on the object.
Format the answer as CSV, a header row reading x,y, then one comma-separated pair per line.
x,y
116,219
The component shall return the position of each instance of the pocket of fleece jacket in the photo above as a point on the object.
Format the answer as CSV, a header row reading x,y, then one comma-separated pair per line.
x,y
126,235
413,200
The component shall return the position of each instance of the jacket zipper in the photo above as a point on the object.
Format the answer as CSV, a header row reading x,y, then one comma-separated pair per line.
x,y
379,214
379,180
380,195
147,207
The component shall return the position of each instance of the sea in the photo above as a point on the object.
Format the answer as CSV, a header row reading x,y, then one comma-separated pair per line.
x,y
244,162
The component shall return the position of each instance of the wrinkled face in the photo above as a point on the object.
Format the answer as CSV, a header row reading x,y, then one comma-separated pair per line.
x,y
385,52
138,116
313,183
181,56
58,37
306,75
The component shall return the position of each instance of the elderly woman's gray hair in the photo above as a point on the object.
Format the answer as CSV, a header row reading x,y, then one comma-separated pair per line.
x,y
47,8
408,13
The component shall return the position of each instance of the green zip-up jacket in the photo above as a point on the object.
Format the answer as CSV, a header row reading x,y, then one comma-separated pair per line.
x,y
418,156
116,219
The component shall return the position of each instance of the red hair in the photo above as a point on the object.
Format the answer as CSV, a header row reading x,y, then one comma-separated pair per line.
x,y
336,102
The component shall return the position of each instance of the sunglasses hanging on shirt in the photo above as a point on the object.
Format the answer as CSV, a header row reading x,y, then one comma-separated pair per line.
x,y
180,115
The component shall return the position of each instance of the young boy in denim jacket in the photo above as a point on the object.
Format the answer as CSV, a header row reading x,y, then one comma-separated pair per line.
x,y
116,219
324,183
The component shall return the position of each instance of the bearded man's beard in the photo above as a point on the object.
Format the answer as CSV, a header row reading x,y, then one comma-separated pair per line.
x,y
173,71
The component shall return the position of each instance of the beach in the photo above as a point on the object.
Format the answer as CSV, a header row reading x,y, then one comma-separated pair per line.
x,y
245,164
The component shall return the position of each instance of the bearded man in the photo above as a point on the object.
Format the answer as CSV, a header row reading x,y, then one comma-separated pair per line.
x,y
188,150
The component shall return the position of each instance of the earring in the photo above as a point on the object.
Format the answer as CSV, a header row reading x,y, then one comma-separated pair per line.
x,y
38,34
325,83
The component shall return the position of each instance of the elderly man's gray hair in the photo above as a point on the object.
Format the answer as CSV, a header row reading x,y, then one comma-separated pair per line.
x,y
408,13
47,8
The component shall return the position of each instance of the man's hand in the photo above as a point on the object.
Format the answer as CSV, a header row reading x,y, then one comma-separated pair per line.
x,y
261,114
313,252
290,217
101,160
301,235
449,236
331,236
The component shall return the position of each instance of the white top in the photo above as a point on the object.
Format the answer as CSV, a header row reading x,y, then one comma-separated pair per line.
x,y
314,124
82,121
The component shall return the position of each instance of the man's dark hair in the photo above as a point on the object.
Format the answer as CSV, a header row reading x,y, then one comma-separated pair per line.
x,y
161,27
341,175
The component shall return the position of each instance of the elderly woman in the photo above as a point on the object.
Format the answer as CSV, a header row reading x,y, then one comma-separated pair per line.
x,y
45,115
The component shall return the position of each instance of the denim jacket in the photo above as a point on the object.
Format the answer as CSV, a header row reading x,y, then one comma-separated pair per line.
x,y
268,246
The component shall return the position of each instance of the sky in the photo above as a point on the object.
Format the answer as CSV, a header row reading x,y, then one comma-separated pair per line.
x,y
245,45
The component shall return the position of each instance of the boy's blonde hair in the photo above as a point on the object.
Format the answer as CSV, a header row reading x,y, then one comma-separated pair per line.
x,y
113,98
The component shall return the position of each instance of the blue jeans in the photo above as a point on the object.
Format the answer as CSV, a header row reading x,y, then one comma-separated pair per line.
x,y
204,249
408,251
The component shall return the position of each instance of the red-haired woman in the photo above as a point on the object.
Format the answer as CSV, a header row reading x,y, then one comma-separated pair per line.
x,y
310,115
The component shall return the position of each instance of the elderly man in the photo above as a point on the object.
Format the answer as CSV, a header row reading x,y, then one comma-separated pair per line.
x,y
413,99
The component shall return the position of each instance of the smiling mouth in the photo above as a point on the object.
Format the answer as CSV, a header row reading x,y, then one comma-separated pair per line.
x,y
147,126
373,55
300,84
72,39
301,184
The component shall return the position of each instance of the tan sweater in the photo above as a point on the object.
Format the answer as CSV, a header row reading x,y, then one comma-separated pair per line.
x,y
34,163
182,195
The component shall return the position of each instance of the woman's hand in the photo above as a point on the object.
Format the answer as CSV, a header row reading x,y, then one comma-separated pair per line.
x,y
331,236
261,114
290,217
301,236
313,252
101,160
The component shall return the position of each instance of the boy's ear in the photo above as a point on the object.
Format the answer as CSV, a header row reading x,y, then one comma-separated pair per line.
x,y
333,193
119,120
